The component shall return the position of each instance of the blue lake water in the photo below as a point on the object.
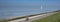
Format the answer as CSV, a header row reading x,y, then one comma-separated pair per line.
x,y
18,11
12,8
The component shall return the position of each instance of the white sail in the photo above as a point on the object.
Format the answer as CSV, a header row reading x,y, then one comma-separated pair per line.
x,y
41,7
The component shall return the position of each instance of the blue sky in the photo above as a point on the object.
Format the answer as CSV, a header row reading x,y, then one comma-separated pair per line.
x,y
10,8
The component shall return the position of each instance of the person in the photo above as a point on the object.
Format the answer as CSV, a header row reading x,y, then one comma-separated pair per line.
x,y
27,18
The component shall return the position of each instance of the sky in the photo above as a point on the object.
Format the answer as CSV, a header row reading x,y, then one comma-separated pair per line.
x,y
12,8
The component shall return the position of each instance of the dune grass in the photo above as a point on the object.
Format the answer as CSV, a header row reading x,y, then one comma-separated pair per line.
x,y
3,21
52,18
18,18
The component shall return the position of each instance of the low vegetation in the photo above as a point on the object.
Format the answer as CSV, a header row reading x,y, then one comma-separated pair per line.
x,y
22,17
53,18
3,21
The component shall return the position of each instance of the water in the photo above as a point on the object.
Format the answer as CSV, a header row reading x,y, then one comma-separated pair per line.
x,y
13,8
18,11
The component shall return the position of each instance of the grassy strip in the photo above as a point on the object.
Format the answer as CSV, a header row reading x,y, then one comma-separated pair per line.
x,y
53,18
3,21
22,17
18,18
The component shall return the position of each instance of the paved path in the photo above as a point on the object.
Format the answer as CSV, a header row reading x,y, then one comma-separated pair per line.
x,y
32,18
